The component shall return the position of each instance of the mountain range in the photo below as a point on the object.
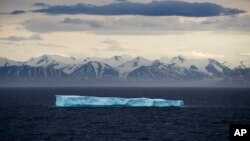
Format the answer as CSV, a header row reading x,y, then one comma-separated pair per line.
x,y
122,68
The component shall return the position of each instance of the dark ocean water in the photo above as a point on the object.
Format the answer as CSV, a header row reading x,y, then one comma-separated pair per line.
x,y
29,114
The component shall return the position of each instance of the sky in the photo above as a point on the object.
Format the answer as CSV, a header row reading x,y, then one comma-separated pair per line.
x,y
197,29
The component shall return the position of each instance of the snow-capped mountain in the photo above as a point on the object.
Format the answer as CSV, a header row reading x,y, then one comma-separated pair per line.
x,y
122,68
31,73
131,65
95,70
187,63
66,64
160,71
217,69
112,61
211,66
55,61
115,60
7,62
88,59
239,74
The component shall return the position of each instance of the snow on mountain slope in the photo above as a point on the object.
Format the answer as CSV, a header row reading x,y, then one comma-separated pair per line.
x,y
112,61
217,69
156,71
187,63
88,59
120,67
70,68
131,65
51,60
31,73
211,66
95,70
67,65
239,74
165,60
7,62
115,60
161,71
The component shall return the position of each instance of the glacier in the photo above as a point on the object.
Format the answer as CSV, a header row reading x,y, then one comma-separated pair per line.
x,y
92,101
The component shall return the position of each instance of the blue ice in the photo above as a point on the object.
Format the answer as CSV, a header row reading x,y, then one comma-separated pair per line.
x,y
91,101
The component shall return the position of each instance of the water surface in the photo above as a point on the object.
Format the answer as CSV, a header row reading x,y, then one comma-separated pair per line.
x,y
29,114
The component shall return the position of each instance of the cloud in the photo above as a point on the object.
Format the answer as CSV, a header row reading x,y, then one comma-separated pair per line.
x,y
155,8
17,12
3,13
1,26
17,44
52,24
35,37
25,44
50,45
109,45
41,4
121,0
91,23
73,21
19,38
136,25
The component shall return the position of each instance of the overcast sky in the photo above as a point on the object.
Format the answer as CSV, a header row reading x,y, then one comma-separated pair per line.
x,y
197,29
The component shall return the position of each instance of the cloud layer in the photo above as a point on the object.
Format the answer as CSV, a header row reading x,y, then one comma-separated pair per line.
x,y
136,24
20,38
17,12
155,8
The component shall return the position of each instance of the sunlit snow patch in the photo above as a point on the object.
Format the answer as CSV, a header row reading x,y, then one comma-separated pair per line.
x,y
91,101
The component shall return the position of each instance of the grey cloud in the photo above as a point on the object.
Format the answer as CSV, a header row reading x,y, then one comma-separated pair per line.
x,y
1,26
129,25
155,8
19,38
44,25
121,0
14,38
18,28
3,13
72,21
50,45
18,12
41,4
91,23
35,37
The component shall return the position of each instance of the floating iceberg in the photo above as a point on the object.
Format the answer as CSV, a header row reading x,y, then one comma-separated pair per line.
x,y
91,101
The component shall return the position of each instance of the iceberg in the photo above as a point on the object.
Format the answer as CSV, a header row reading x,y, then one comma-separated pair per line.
x,y
92,101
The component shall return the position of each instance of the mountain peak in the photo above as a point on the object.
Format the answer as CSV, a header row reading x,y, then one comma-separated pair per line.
x,y
73,58
45,57
157,63
117,57
8,62
178,59
118,67
51,60
139,58
213,61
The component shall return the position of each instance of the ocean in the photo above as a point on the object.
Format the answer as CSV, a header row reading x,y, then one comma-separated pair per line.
x,y
28,114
